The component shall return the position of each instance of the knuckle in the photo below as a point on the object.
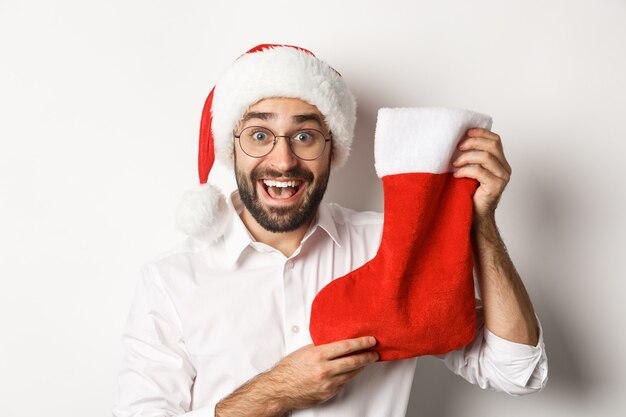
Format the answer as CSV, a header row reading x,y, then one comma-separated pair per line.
x,y
321,373
474,169
328,392
316,355
343,345
353,362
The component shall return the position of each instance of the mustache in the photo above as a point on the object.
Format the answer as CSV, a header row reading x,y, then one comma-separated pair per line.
x,y
296,172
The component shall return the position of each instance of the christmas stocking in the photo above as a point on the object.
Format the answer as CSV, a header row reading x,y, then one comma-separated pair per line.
x,y
416,296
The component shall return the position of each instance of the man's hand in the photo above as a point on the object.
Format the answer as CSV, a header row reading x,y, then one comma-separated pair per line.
x,y
483,159
507,307
303,379
314,374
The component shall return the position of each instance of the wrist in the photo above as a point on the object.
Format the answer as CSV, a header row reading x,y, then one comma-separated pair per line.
x,y
486,241
275,396
259,397
485,225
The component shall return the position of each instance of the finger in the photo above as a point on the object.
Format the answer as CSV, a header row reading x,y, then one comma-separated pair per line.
x,y
480,143
484,159
344,347
480,132
353,362
490,182
338,381
342,379
486,145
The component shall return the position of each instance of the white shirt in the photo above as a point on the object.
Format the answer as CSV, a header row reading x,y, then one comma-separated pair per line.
x,y
208,317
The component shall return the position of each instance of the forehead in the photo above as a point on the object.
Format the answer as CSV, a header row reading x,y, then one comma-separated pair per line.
x,y
283,105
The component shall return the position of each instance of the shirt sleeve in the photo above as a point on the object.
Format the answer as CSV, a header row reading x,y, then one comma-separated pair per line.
x,y
156,374
498,364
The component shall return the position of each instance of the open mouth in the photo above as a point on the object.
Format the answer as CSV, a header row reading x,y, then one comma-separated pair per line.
x,y
281,189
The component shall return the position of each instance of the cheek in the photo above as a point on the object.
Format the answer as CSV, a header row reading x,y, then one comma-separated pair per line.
x,y
320,168
243,165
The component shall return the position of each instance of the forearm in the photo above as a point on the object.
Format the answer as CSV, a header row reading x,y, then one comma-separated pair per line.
x,y
303,379
508,310
257,397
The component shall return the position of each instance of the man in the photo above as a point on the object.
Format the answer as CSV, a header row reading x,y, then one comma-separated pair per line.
x,y
219,324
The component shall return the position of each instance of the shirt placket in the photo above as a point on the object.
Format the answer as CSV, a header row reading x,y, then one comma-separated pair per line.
x,y
296,334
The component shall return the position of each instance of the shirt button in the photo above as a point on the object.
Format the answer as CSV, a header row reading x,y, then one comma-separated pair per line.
x,y
289,264
295,328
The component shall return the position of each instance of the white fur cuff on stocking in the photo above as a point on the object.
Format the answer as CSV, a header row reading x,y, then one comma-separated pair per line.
x,y
432,134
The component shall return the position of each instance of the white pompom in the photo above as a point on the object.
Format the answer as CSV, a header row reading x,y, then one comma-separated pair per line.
x,y
203,213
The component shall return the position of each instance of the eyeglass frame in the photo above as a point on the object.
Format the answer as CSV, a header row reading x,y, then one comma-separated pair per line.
x,y
326,139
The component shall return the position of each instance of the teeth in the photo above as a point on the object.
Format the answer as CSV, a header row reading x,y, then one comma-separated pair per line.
x,y
281,184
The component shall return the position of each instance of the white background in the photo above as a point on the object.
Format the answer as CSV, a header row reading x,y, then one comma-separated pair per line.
x,y
100,104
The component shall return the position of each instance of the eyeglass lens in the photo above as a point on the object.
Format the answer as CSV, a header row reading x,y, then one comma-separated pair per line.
x,y
306,144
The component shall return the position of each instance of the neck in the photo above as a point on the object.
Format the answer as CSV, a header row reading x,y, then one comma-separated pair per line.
x,y
285,242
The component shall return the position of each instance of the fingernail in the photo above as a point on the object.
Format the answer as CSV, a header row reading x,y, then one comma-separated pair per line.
x,y
372,340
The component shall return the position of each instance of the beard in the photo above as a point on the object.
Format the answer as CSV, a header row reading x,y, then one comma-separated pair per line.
x,y
284,218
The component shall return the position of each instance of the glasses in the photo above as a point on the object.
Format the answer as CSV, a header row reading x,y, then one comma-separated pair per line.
x,y
306,144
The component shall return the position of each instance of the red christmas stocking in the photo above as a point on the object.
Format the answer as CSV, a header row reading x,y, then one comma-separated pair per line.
x,y
416,296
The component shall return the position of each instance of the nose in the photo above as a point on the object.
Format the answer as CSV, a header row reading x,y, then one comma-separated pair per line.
x,y
281,157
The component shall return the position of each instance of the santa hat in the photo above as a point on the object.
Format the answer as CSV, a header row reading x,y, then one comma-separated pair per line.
x,y
262,72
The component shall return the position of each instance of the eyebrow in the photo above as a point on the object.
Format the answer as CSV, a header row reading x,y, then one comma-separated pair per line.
x,y
258,115
300,118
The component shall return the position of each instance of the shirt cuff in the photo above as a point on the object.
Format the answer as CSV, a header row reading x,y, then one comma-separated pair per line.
x,y
516,360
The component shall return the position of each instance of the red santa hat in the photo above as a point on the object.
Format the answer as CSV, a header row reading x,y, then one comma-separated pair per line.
x,y
264,71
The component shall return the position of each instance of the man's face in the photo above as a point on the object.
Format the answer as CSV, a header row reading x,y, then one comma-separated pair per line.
x,y
266,184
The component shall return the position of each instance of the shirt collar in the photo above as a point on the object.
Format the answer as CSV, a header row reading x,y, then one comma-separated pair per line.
x,y
237,237
326,222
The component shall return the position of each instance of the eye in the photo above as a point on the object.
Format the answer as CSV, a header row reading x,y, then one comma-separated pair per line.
x,y
259,136
303,137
